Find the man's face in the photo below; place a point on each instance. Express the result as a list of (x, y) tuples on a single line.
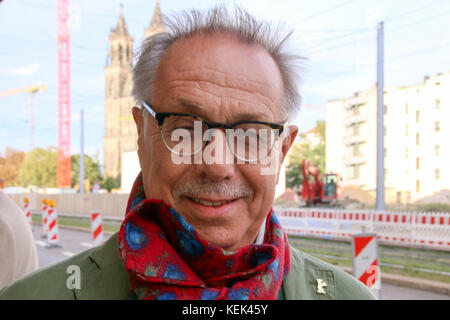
[(222, 80)]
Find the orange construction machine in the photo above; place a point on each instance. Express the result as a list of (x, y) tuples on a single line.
[(317, 187)]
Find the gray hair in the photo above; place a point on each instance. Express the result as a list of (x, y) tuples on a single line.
[(218, 19)]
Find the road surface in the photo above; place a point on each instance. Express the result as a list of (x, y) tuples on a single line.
[(72, 242)]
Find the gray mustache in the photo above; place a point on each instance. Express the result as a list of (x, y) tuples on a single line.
[(213, 189)]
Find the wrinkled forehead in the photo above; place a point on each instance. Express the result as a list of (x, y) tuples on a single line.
[(222, 65)]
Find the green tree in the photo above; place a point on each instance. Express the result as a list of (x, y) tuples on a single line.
[(110, 183), (299, 152), (91, 169), (39, 168)]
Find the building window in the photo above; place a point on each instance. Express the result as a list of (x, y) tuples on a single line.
[(399, 197), (417, 186), (406, 130), (417, 163), (385, 152), (437, 126), (406, 108), (406, 152), (417, 115), (437, 150), (120, 54), (355, 172), (385, 109), (437, 174), (356, 150), (112, 91), (437, 104), (417, 139)]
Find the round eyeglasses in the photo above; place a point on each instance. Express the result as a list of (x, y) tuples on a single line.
[(187, 134)]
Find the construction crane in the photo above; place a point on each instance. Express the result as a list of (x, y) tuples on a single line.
[(64, 164), (32, 90)]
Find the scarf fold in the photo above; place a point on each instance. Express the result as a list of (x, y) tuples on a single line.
[(167, 259)]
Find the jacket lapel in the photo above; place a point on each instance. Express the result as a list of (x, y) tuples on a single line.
[(107, 279), (307, 281)]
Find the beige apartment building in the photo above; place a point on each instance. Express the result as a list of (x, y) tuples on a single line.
[(417, 139), (120, 131)]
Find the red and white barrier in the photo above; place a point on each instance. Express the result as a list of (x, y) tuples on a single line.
[(365, 261), (44, 216), (404, 228), (97, 228), (27, 211), (52, 224)]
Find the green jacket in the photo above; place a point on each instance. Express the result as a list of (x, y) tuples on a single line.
[(103, 276)]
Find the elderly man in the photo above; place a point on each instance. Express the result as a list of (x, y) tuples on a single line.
[(215, 95)]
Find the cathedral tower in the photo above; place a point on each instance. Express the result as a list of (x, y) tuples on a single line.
[(120, 133), (120, 129)]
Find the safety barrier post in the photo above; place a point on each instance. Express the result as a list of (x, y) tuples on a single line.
[(52, 225), (27, 211), (366, 262), (97, 228), (44, 218)]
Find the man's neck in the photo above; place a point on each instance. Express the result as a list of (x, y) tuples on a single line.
[(262, 230)]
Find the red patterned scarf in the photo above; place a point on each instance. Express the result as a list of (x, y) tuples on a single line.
[(167, 259)]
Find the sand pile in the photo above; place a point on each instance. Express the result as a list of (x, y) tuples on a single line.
[(442, 196)]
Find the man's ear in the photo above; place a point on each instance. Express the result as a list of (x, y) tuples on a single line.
[(138, 119), (288, 141)]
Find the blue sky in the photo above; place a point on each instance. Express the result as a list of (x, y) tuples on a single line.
[(338, 37)]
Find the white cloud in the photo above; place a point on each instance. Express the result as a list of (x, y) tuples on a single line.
[(25, 70)]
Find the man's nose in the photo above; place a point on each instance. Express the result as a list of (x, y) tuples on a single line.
[(218, 161)]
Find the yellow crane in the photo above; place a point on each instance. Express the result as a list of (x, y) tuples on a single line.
[(32, 90)]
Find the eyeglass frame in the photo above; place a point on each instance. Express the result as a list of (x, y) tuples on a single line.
[(161, 116)]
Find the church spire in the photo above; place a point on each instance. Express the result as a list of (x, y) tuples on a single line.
[(157, 22), (121, 28), (121, 44), (157, 16)]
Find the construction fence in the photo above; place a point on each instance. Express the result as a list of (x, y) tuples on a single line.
[(109, 204), (410, 229)]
